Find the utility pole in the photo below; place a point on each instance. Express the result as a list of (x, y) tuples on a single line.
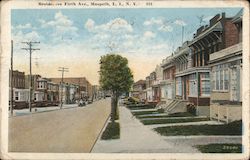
[(182, 37), (30, 49), (11, 82), (62, 69), (201, 19)]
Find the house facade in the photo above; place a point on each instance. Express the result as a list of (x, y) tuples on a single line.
[(226, 76), (157, 76), (139, 90), (20, 94), (167, 83), (85, 87), (53, 93), (148, 90)]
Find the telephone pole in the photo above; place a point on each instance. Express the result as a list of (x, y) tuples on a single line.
[(62, 69), (11, 82), (182, 37), (30, 49)]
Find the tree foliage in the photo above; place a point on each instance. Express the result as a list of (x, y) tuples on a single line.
[(115, 75)]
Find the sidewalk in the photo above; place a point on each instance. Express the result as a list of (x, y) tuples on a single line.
[(137, 138), (21, 112)]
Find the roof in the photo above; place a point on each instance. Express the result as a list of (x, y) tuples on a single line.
[(140, 82), (238, 17), (217, 27), (72, 80)]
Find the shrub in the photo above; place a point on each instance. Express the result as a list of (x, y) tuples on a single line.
[(191, 108), (161, 110), (112, 131)]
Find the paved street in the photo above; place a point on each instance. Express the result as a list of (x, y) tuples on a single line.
[(67, 130)]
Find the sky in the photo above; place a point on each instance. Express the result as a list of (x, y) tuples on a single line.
[(76, 38)]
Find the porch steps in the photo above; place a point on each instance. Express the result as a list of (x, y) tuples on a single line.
[(170, 105)]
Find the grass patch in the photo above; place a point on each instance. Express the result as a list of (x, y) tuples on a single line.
[(220, 148), (180, 114), (112, 131), (233, 128), (166, 121), (144, 112), (143, 106)]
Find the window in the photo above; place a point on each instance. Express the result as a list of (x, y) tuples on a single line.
[(193, 85), (221, 77), (205, 84), (16, 96), (217, 80), (226, 79)]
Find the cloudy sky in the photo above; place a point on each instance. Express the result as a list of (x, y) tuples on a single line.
[(76, 38)]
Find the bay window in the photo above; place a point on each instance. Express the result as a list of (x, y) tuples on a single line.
[(220, 77), (205, 84)]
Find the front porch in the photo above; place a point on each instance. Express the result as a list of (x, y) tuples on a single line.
[(226, 113)]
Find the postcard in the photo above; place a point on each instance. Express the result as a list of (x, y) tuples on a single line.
[(124, 79)]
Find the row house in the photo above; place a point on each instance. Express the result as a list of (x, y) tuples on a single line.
[(85, 87), (138, 90), (226, 74), (46, 93), (192, 61), (149, 84), (20, 94), (156, 84), (205, 71), (152, 90), (168, 83), (53, 93)]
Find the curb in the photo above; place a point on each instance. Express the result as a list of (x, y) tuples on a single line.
[(99, 135)]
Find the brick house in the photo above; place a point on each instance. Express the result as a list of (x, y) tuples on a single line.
[(226, 74), (192, 70), (20, 94)]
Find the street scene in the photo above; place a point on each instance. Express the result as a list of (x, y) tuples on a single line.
[(131, 80)]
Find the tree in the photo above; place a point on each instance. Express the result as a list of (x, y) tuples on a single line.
[(115, 76)]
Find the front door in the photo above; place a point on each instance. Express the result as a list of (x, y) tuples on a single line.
[(169, 91)]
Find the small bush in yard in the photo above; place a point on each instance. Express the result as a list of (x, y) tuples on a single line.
[(112, 131), (191, 108), (161, 110)]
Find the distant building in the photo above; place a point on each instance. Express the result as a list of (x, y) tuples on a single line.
[(148, 89), (18, 79), (20, 94), (139, 90), (157, 76), (53, 93), (85, 88)]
